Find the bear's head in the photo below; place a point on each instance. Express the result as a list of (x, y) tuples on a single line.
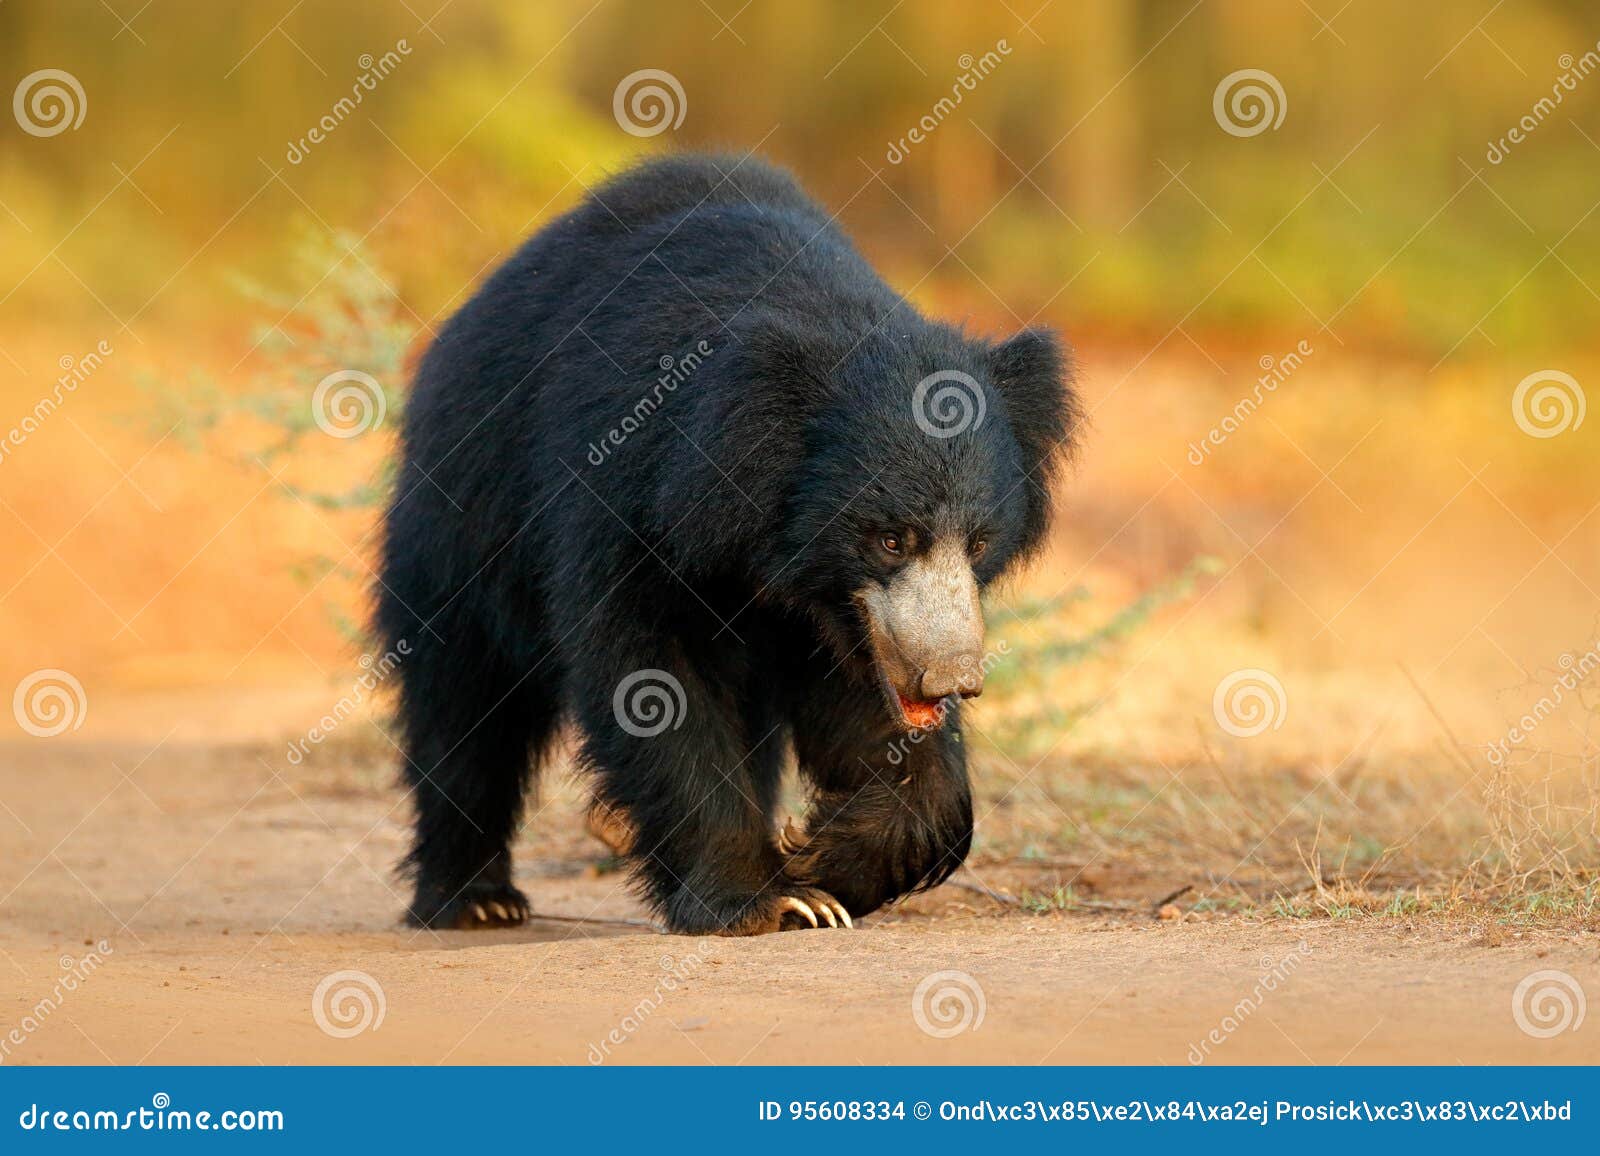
[(878, 484)]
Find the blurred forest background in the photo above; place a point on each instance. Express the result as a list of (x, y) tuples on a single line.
[(1099, 110), (1384, 534)]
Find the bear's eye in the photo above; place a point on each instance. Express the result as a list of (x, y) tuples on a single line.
[(979, 545), (902, 543)]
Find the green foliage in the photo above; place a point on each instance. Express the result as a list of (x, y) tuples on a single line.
[(1065, 652), (350, 318), (1035, 657), (1044, 902)]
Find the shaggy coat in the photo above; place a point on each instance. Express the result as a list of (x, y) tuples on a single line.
[(656, 476)]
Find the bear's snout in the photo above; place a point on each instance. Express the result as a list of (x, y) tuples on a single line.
[(926, 626), (955, 674)]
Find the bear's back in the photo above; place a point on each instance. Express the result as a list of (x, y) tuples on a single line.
[(681, 183)]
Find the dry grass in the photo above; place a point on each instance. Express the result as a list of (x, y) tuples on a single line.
[(1435, 831), (1277, 841)]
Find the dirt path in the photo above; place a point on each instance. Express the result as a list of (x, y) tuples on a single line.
[(224, 892)]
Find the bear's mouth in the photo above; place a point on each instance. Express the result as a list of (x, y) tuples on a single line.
[(921, 714), (912, 712)]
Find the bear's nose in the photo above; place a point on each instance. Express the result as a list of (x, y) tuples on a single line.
[(958, 674)]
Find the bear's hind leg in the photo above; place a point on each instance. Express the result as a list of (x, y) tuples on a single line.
[(471, 737)]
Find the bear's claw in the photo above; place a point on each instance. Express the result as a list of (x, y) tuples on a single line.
[(791, 840), (475, 908), (816, 903), (789, 907), (790, 903)]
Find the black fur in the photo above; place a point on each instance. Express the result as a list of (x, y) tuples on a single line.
[(533, 561)]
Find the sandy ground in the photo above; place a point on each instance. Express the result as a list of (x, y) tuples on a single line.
[(197, 897)]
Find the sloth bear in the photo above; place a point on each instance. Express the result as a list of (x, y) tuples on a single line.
[(687, 474)]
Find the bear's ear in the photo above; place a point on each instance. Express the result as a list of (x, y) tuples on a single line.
[(1034, 372), (744, 436)]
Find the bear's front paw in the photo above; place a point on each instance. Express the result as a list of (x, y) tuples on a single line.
[(787, 906), (471, 908), (793, 907)]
